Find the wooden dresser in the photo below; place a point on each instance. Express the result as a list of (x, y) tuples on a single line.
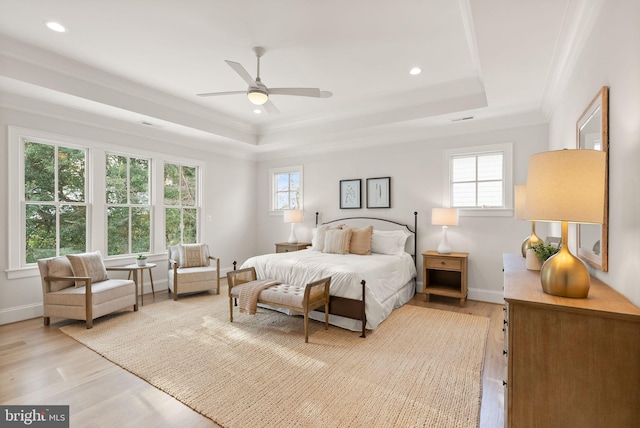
[(570, 362)]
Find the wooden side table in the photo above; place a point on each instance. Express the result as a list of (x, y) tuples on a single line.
[(135, 267), (445, 274), (285, 247)]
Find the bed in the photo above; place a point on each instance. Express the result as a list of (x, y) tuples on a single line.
[(365, 289)]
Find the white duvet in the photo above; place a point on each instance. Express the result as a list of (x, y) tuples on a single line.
[(388, 278)]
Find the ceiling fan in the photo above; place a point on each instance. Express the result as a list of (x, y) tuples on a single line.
[(258, 93)]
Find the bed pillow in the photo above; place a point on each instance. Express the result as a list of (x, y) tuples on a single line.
[(59, 266), (337, 241), (361, 241), (390, 242), (193, 255), (88, 264), (318, 236)]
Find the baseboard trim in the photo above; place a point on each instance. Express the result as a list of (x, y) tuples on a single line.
[(489, 296), (20, 313)]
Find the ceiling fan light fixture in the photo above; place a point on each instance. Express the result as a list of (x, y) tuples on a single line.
[(257, 96)]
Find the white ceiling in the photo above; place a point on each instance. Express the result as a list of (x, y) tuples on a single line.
[(144, 60)]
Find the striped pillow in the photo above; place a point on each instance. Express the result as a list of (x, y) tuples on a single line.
[(88, 264), (194, 255), (337, 241)]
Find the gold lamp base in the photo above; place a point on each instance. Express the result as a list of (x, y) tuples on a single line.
[(530, 241), (563, 274)]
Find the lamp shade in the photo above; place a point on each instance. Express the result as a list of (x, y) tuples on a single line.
[(520, 197), (444, 216), (292, 216), (566, 185)]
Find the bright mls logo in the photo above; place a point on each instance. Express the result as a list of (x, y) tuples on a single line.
[(35, 416)]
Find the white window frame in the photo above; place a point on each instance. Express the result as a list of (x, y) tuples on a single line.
[(128, 204), (273, 172), (198, 204), (507, 151), (96, 205)]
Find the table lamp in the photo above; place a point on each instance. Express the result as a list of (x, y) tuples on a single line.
[(566, 186), (293, 217), (444, 217), (520, 198)]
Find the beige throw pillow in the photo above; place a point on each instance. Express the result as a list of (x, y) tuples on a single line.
[(88, 264), (337, 241), (59, 266), (194, 255), (317, 243), (361, 241)]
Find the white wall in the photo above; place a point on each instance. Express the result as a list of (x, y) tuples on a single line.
[(229, 199), (416, 171), (610, 58)]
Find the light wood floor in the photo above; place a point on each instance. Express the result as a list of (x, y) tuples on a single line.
[(41, 365)]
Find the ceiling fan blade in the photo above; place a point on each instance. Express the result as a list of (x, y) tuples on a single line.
[(270, 107), (238, 68), (213, 94), (301, 92)]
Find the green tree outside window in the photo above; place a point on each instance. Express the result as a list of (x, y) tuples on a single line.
[(55, 212), (181, 204)]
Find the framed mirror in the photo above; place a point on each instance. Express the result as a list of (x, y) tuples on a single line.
[(592, 132)]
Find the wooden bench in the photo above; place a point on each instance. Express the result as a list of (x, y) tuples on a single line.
[(301, 299)]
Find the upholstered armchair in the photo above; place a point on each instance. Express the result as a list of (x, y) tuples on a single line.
[(192, 269), (78, 287)]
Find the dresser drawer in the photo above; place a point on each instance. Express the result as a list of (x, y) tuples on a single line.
[(444, 263)]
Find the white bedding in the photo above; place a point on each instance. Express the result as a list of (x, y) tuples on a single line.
[(389, 278)]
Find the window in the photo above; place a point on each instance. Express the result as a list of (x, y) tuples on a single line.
[(55, 200), (70, 195), (181, 204), (477, 178), (286, 188), (128, 202)]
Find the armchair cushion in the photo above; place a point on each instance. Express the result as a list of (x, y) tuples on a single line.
[(88, 264), (103, 292), (60, 266), (193, 255)]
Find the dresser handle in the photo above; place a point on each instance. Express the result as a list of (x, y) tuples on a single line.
[(443, 263)]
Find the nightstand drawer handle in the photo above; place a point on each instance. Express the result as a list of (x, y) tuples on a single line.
[(443, 263)]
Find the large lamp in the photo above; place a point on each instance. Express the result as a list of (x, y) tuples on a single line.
[(293, 217), (444, 217), (520, 199), (566, 186)]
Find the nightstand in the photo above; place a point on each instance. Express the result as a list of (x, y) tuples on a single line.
[(285, 247), (445, 275)]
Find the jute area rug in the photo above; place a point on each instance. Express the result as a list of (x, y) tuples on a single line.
[(420, 367)]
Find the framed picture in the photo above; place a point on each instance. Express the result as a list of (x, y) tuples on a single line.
[(379, 192), (350, 196)]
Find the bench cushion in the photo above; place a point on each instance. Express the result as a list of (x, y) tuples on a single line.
[(279, 294)]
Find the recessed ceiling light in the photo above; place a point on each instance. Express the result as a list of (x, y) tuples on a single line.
[(257, 111), (415, 71), (55, 26)]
